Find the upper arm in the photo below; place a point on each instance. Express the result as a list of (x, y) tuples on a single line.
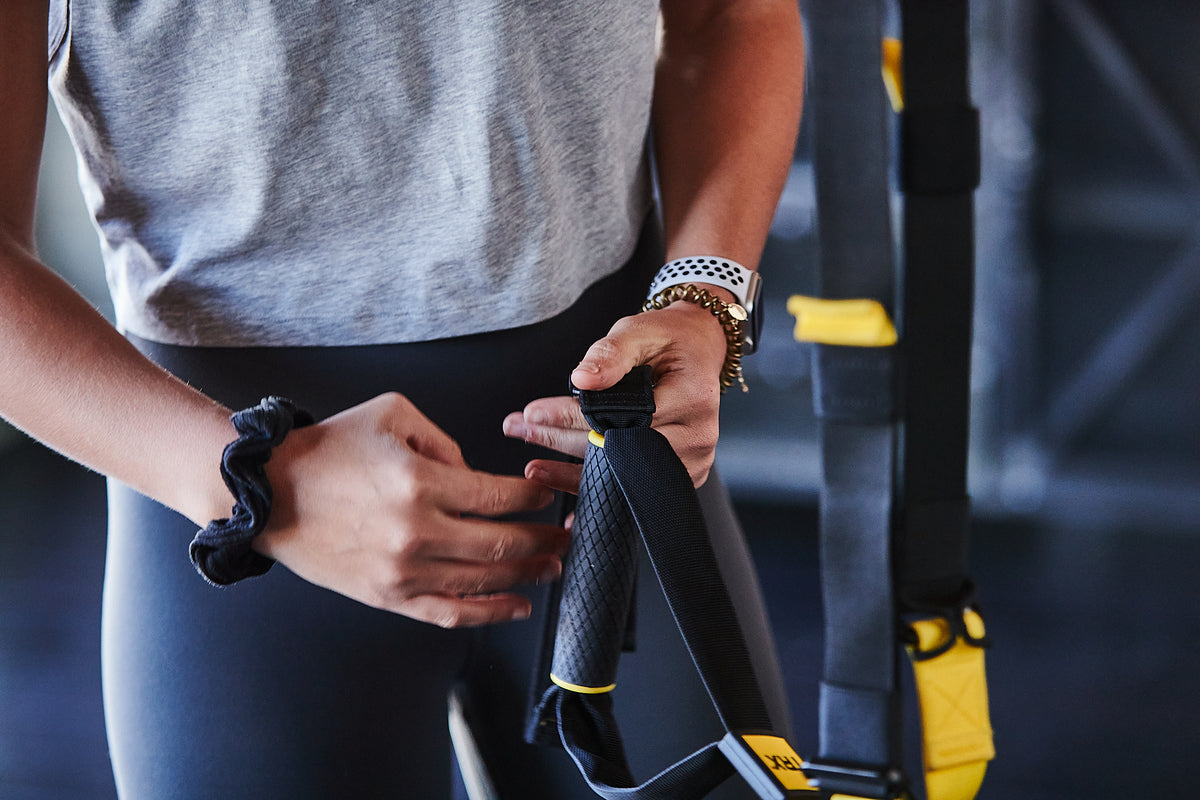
[(23, 103)]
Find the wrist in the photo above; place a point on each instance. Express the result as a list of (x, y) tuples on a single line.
[(725, 280), (223, 551), (731, 318), (201, 493), (719, 292)]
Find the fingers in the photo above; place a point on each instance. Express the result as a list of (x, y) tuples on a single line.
[(448, 611), (475, 579), (686, 347), (456, 491), (551, 422), (456, 572), (491, 542), (474, 590), (377, 504), (557, 475)]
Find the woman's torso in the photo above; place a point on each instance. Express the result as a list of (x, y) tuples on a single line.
[(311, 173)]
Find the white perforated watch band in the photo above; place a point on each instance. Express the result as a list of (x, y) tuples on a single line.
[(705, 269)]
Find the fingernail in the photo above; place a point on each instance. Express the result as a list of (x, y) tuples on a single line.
[(520, 614), (536, 417), (550, 573), (588, 366), (515, 428)]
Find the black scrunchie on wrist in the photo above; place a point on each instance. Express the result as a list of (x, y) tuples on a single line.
[(222, 552)]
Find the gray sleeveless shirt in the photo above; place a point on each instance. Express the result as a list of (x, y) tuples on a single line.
[(310, 172)]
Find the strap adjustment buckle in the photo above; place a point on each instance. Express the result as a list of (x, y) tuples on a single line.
[(850, 780), (768, 763), (940, 628), (948, 670)]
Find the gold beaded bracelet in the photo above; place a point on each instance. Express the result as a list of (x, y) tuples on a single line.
[(731, 316)]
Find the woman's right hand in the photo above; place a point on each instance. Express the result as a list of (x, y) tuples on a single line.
[(377, 503)]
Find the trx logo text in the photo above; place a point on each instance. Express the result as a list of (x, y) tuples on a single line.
[(778, 763)]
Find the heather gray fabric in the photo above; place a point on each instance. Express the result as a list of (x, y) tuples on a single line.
[(300, 172)]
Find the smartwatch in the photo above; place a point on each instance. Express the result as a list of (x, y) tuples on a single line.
[(744, 284)]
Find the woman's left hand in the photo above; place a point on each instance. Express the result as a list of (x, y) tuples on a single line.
[(685, 345)]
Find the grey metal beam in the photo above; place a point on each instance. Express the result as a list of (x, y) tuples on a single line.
[(1115, 62), (1129, 344), (1133, 338)]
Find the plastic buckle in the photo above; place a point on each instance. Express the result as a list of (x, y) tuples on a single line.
[(846, 779), (768, 764), (955, 616)]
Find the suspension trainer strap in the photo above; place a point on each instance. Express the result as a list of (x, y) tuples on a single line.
[(939, 172), (939, 160), (634, 483), (893, 540), (854, 374)]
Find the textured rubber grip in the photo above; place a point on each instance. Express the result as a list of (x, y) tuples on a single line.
[(597, 584)]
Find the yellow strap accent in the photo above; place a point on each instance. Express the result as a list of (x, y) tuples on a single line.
[(952, 692), (856, 323), (577, 689), (893, 79), (596, 438), (957, 782), (780, 759)]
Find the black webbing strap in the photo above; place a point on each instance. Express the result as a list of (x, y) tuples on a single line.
[(859, 750), (939, 158), (939, 173), (633, 482)]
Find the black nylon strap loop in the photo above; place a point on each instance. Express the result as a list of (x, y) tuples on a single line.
[(672, 526), (628, 403)]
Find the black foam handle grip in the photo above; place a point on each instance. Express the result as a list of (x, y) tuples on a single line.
[(598, 577)]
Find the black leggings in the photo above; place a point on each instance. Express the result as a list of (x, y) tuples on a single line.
[(274, 688)]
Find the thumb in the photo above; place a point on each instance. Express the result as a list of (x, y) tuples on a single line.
[(609, 359)]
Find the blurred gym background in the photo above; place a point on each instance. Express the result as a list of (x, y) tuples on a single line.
[(1085, 454)]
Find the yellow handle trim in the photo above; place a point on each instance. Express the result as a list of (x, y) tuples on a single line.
[(596, 438), (893, 80), (854, 323), (577, 689)]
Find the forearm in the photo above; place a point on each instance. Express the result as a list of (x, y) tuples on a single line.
[(66, 377), (726, 112), (71, 381)]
